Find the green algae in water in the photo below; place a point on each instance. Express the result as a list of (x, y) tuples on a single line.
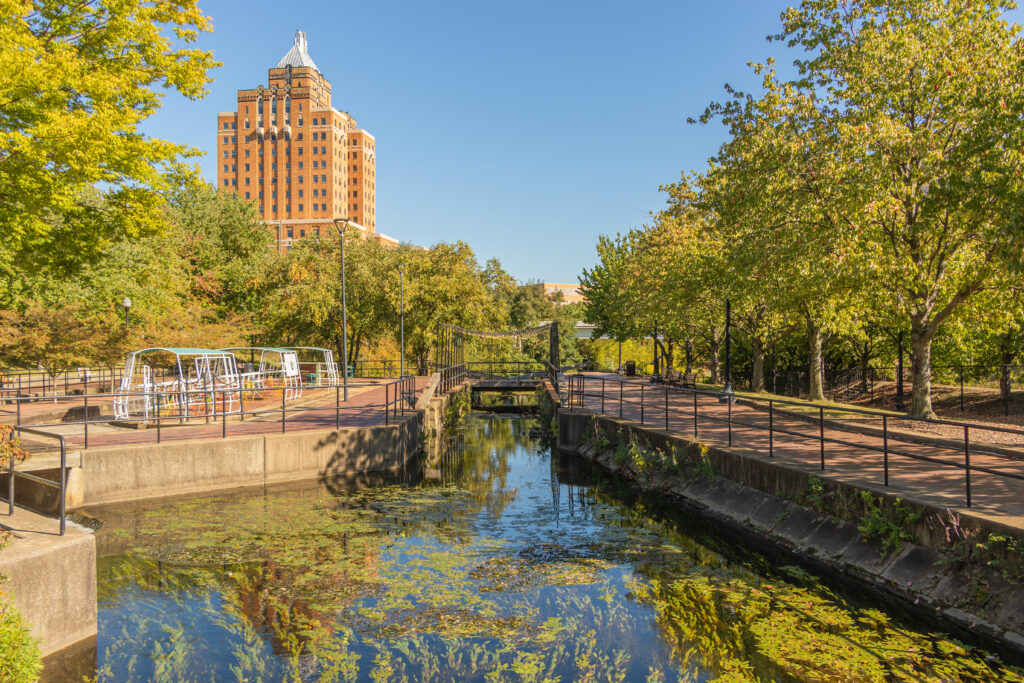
[(509, 570)]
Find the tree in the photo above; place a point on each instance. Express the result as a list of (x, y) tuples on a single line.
[(76, 81), (927, 99)]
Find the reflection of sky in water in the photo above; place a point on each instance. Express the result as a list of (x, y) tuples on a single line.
[(499, 567)]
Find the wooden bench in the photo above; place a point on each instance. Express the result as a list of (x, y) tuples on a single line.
[(689, 380)]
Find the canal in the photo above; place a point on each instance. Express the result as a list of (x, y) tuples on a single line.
[(509, 562)]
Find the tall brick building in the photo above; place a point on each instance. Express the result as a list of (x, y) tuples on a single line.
[(304, 162)]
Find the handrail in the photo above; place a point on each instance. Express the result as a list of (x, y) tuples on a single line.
[(60, 485), (213, 403), (578, 399)]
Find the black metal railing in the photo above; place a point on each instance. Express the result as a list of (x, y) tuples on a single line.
[(60, 484), (14, 383), (615, 396), (212, 404)]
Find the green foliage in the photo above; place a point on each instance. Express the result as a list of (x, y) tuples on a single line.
[(20, 660), (887, 527), (878, 190), (77, 80)]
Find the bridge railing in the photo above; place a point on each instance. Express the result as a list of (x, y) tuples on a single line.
[(689, 410)]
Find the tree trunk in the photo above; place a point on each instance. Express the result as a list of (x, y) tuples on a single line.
[(689, 356), (714, 347), (757, 375), (816, 384), (921, 367)]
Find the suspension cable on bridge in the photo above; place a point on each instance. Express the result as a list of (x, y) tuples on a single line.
[(511, 334)]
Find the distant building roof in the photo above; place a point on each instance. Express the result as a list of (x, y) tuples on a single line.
[(297, 55)]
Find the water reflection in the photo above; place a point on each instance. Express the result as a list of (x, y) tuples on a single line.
[(511, 564)]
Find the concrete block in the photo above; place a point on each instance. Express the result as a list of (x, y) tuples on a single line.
[(798, 525), (914, 567), (832, 537), (51, 580)]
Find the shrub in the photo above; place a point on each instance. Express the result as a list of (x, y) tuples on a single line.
[(20, 661)]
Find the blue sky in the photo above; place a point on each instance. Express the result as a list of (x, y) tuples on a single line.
[(526, 129)]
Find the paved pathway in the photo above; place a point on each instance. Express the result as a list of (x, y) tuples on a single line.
[(316, 410), (857, 459)]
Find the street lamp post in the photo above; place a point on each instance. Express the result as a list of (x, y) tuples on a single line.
[(401, 314), (727, 390), (341, 224), (127, 303)]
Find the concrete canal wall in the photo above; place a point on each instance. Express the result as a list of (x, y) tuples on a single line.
[(799, 518)]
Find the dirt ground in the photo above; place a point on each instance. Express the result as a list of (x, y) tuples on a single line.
[(982, 406)]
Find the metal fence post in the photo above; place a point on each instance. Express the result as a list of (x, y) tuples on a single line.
[(86, 421), (602, 395), (159, 410), (63, 484), (337, 407), (386, 404), (1009, 390), (885, 447), (10, 486), (666, 408), (729, 404), (967, 463), (821, 434), (284, 415), (771, 426), (641, 404), (223, 414), (695, 415), (961, 387), (620, 399)]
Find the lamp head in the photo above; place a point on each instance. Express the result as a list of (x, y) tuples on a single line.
[(126, 302)]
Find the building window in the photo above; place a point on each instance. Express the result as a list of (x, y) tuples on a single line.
[(299, 136), (261, 195), (234, 139), (300, 207), (225, 139), (225, 168), (226, 125), (300, 150), (234, 168), (290, 233), (323, 150), (225, 182), (246, 153), (316, 193), (246, 194), (247, 181), (316, 164), (300, 165), (302, 233), (300, 193), (355, 193), (300, 179), (323, 179), (288, 193), (247, 168), (234, 181)]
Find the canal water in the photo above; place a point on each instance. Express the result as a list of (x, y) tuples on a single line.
[(509, 562)]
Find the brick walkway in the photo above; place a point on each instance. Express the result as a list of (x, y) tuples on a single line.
[(852, 461), (315, 410)]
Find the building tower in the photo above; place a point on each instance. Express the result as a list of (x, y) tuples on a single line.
[(302, 161)]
